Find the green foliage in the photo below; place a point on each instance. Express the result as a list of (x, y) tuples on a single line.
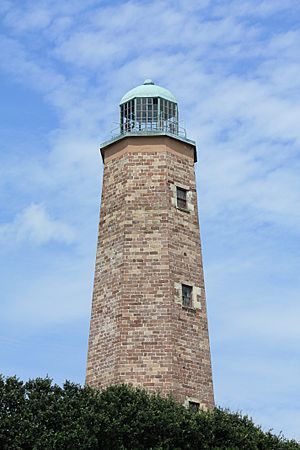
[(39, 415)]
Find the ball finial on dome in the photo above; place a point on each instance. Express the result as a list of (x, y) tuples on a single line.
[(148, 81)]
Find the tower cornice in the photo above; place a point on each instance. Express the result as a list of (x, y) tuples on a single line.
[(142, 142)]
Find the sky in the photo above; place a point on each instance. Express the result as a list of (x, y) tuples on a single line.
[(234, 67)]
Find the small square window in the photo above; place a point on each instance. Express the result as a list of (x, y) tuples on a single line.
[(187, 295), (194, 406), (181, 198)]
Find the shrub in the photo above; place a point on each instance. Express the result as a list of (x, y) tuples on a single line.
[(40, 415)]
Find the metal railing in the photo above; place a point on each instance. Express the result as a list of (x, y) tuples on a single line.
[(149, 129)]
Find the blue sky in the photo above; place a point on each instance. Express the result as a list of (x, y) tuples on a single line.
[(234, 67)]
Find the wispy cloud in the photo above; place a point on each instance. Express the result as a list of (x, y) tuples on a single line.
[(34, 224)]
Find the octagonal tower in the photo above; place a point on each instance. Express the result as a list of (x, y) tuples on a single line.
[(149, 323)]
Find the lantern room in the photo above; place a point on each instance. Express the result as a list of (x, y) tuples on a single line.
[(149, 109)]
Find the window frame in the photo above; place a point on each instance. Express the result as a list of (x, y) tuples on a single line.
[(183, 297), (184, 199)]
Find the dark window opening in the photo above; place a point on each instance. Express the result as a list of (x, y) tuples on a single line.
[(187, 295), (181, 198), (194, 406)]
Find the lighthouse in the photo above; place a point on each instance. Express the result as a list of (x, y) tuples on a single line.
[(149, 323)]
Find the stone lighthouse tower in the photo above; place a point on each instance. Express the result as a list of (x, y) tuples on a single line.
[(149, 323)]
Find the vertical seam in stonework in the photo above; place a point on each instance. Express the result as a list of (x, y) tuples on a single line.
[(121, 302), (171, 281)]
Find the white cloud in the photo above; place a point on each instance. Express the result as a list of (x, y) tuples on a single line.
[(33, 19), (34, 224), (255, 8)]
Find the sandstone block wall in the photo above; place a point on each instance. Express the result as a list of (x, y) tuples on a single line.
[(140, 332)]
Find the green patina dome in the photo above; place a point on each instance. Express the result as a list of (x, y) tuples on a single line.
[(148, 89)]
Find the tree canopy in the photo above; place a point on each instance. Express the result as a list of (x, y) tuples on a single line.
[(40, 415)]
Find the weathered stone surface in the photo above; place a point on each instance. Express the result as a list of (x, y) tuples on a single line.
[(140, 332)]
